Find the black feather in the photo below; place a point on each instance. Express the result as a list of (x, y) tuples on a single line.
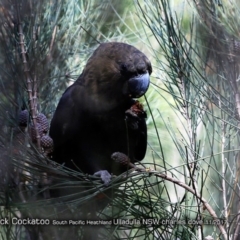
[(91, 123)]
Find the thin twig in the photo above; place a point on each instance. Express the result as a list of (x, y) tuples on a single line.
[(49, 57), (223, 172), (237, 228), (30, 88)]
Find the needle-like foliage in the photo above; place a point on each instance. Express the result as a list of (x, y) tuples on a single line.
[(187, 187)]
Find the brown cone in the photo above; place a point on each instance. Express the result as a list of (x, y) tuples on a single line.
[(23, 118), (46, 142), (43, 121), (33, 133)]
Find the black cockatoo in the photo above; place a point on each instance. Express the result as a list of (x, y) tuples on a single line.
[(95, 116)]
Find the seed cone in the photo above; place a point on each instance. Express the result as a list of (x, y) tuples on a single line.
[(46, 142), (43, 121), (33, 132), (23, 118)]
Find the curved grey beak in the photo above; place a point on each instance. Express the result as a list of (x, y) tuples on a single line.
[(137, 86)]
